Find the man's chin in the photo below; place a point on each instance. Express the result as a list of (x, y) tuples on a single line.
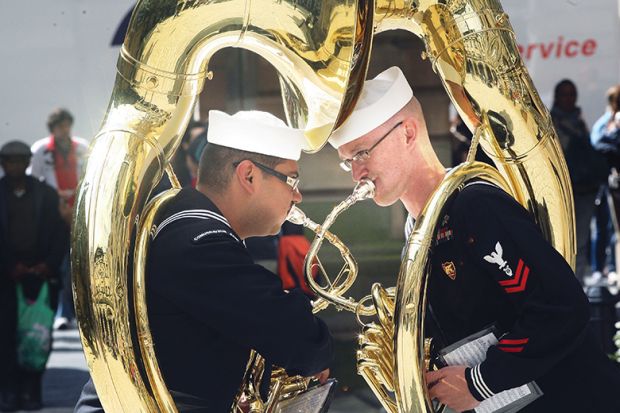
[(276, 230), (383, 202)]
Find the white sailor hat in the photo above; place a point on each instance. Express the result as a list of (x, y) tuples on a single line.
[(255, 131), (380, 99)]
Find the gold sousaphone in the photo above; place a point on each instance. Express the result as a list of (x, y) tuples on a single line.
[(320, 50)]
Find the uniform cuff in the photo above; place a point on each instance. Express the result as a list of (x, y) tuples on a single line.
[(475, 383)]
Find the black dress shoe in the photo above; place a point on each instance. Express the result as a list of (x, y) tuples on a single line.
[(8, 402)]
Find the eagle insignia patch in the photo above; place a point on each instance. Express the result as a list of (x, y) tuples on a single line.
[(495, 257)]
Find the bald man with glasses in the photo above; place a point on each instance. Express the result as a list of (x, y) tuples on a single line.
[(490, 266)]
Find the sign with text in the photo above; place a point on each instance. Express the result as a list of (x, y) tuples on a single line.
[(570, 39)]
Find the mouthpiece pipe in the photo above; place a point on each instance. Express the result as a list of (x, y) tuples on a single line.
[(365, 189)]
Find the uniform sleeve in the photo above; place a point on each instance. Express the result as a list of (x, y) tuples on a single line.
[(552, 311), (220, 286)]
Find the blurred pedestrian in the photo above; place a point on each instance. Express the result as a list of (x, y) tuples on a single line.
[(194, 130), (180, 162), (586, 167), (605, 137), (33, 242), (58, 160), (192, 156), (462, 141)]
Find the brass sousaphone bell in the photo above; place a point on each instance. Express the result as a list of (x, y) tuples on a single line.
[(321, 52)]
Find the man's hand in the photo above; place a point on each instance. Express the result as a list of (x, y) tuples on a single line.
[(18, 272), (448, 385), (322, 376), (41, 270), (66, 212)]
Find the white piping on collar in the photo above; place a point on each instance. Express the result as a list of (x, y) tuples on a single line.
[(481, 182), (191, 213)]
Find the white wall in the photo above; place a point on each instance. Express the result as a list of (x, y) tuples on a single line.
[(56, 53)]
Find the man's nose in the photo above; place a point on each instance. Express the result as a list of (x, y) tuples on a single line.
[(358, 171), (297, 196)]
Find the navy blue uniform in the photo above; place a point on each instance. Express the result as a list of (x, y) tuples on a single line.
[(209, 304), (491, 265)]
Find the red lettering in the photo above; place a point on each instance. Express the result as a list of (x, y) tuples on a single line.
[(589, 47), (545, 50), (559, 48), (574, 45), (529, 50)]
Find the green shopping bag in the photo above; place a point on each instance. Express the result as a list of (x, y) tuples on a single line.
[(34, 329)]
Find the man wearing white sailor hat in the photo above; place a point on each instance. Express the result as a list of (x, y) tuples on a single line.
[(490, 265), (262, 152), (208, 302), (387, 127)]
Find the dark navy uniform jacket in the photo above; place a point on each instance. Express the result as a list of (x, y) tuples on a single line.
[(209, 304), (491, 266)]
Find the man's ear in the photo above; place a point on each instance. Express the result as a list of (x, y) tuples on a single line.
[(411, 129), (245, 174)]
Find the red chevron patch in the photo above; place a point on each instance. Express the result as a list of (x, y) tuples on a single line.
[(509, 342), (517, 284), (511, 349), (512, 346)]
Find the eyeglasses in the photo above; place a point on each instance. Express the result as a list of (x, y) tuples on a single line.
[(347, 164), (289, 180)]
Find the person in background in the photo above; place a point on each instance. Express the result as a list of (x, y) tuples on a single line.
[(586, 167), (605, 137), (33, 242), (179, 161), (58, 159), (192, 156), (462, 141)]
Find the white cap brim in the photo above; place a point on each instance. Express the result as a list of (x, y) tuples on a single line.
[(381, 98), (255, 131)]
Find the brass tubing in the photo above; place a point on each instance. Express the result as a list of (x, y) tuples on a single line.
[(379, 391)]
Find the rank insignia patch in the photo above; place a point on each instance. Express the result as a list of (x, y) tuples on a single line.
[(450, 269), (495, 257), (519, 282)]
